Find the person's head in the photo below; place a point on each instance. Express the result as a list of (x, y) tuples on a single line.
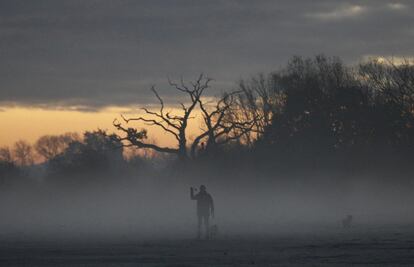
[(203, 188)]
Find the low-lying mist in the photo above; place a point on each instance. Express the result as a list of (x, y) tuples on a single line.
[(156, 204)]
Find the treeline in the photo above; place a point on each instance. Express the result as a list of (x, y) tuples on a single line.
[(312, 113), (320, 110), (67, 158)]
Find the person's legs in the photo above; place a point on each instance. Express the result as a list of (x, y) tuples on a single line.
[(199, 226), (207, 225)]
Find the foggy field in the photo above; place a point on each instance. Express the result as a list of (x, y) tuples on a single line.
[(391, 245), (152, 222)]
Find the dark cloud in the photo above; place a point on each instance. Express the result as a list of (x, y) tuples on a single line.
[(98, 53)]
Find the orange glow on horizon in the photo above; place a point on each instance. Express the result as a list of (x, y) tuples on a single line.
[(31, 123)]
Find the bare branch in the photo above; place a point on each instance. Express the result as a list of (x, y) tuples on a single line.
[(173, 124), (135, 138)]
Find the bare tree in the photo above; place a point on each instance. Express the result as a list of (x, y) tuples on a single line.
[(6, 155), (219, 127), (23, 153), (49, 146), (220, 124), (392, 80), (173, 124), (258, 101)]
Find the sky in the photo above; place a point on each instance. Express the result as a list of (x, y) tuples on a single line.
[(77, 64)]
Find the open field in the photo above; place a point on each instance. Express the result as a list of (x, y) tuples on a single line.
[(360, 246)]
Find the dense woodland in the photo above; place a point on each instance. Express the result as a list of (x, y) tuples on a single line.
[(314, 114)]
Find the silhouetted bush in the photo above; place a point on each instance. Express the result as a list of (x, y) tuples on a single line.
[(97, 152)]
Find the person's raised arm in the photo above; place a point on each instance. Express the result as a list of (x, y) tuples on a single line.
[(192, 193)]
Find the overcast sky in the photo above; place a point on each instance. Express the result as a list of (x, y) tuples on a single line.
[(99, 53)]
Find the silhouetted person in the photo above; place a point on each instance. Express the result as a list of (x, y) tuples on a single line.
[(205, 208)]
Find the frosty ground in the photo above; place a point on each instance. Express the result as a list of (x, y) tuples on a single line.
[(364, 245)]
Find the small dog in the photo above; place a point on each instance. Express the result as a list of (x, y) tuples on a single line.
[(213, 232), (347, 222)]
